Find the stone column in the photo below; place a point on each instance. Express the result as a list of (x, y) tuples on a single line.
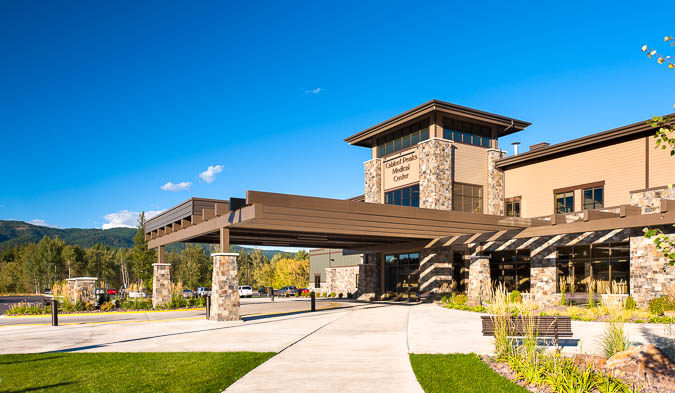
[(543, 278), (435, 270), (495, 183), (82, 289), (225, 287), (436, 173), (650, 274), (373, 180), (367, 281), (161, 284), (480, 286)]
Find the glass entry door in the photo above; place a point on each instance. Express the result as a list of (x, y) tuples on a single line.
[(401, 273)]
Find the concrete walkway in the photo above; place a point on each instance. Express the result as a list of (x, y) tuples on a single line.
[(364, 350)]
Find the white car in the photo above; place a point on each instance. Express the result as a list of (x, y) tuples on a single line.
[(245, 291), (133, 294)]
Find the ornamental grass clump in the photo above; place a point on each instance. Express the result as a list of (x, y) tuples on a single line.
[(614, 338), (500, 308)]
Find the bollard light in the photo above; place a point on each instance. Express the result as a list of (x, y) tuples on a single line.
[(208, 307), (313, 297), (55, 312)]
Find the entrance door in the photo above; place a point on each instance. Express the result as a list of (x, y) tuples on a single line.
[(401, 273), (458, 269)]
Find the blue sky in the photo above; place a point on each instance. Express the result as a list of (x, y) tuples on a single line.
[(103, 103)]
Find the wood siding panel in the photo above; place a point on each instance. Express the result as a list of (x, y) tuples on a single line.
[(471, 166), (661, 166), (621, 166)]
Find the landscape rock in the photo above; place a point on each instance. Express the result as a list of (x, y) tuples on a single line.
[(646, 365)]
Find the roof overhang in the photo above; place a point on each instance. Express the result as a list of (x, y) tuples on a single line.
[(301, 221), (506, 125), (634, 130)]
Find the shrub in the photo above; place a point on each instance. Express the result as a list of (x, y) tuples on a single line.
[(332, 294), (658, 305), (24, 308), (340, 295), (444, 300), (460, 299), (107, 306), (349, 295), (630, 304), (516, 297), (297, 294)]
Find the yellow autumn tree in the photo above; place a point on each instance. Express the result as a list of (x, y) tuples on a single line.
[(289, 271)]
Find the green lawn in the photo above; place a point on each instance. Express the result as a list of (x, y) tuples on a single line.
[(126, 372), (459, 373)]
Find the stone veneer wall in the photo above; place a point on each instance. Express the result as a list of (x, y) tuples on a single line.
[(650, 200), (161, 284), (82, 289), (479, 286), (367, 281), (436, 271), (224, 288), (373, 180), (650, 274), (436, 173), (495, 183), (342, 279)]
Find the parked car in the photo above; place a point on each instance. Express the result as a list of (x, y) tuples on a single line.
[(112, 291), (288, 290), (100, 291), (245, 291), (263, 291), (47, 291), (203, 291), (304, 290), (135, 294), (188, 293)]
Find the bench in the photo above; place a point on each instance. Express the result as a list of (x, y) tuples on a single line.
[(545, 326)]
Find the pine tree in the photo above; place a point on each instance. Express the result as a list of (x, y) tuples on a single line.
[(142, 258)]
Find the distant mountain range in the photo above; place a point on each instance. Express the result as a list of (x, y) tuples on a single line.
[(19, 232)]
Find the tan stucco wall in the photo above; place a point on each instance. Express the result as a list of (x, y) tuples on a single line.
[(621, 166), (661, 166)]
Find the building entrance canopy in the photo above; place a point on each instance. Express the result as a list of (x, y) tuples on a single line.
[(270, 219)]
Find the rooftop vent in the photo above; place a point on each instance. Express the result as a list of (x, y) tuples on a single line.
[(515, 148), (541, 145)]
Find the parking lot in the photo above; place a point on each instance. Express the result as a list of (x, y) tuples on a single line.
[(251, 308)]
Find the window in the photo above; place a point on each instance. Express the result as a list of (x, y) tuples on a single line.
[(464, 132), (403, 138), (317, 280), (512, 206), (606, 266), (511, 268), (593, 198), (564, 202), (467, 198), (409, 196)]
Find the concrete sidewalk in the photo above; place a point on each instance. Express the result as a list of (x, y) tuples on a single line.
[(364, 350)]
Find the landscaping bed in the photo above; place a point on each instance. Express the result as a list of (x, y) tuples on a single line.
[(117, 305), (126, 372)]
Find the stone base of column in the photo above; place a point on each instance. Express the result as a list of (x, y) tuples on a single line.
[(543, 280), (161, 284), (225, 288), (479, 287)]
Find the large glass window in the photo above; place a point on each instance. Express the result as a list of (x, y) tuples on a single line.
[(564, 202), (606, 266), (465, 132), (467, 198), (593, 198), (409, 196), (403, 138), (511, 268)]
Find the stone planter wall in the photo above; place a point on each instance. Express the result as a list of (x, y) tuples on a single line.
[(82, 289)]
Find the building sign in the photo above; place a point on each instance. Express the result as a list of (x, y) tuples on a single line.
[(402, 170)]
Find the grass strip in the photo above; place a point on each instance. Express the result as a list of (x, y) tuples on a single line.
[(459, 373), (126, 372)]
